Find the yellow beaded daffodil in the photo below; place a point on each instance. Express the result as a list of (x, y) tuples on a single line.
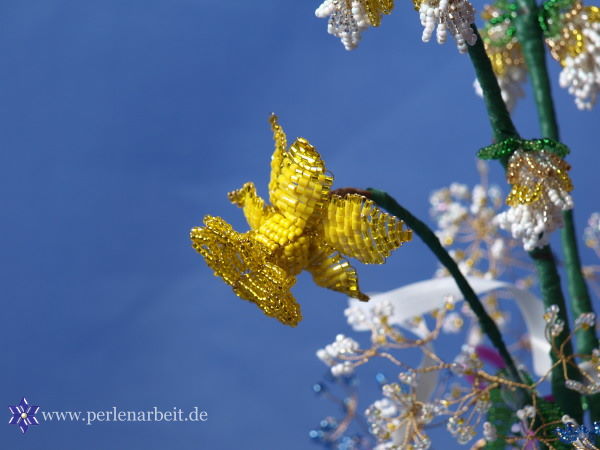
[(306, 227)]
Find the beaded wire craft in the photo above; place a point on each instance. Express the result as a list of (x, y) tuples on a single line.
[(349, 18), (540, 190), (573, 35), (539, 195), (592, 240), (512, 410), (455, 16), (581, 437), (306, 227), (470, 391), (504, 51)]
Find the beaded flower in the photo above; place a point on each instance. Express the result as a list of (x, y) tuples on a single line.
[(349, 18), (305, 227), (398, 419), (577, 48), (455, 16), (579, 436), (504, 52), (540, 192)]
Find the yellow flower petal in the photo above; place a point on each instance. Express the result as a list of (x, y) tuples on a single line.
[(356, 227), (332, 271), (255, 210), (299, 185)]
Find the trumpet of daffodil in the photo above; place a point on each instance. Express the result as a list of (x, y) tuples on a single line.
[(306, 227)]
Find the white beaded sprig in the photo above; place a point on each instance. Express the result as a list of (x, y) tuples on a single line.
[(489, 432), (554, 325), (334, 353), (455, 16), (346, 23)]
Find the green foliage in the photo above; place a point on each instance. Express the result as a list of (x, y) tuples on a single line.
[(506, 147), (502, 417), (551, 412)]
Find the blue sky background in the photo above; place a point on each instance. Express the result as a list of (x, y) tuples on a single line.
[(122, 123)]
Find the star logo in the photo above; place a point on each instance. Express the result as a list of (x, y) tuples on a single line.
[(23, 415)]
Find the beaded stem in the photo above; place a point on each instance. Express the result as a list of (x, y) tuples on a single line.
[(502, 125), (531, 37), (503, 129), (431, 240), (545, 264)]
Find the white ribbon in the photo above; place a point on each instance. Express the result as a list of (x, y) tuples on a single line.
[(422, 297)]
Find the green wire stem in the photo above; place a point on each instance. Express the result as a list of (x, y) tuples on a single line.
[(431, 240), (531, 36), (504, 128), (502, 125)]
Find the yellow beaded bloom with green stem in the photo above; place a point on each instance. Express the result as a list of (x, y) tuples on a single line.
[(306, 227)]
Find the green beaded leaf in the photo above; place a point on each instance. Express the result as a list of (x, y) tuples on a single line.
[(501, 149), (502, 417), (550, 16), (550, 412), (508, 146), (508, 12)]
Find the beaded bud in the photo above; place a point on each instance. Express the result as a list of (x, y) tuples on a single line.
[(574, 40), (539, 194), (454, 16), (349, 18)]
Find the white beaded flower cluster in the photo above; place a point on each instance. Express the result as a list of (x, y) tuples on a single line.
[(333, 355), (464, 217), (540, 193), (577, 48), (347, 20), (554, 325), (592, 232), (467, 362), (590, 370), (397, 420), (454, 16), (374, 318)]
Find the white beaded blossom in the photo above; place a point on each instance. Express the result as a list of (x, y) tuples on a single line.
[(581, 74), (344, 22), (489, 432), (530, 225), (334, 353), (398, 419), (540, 193), (455, 16), (361, 318), (581, 68)]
